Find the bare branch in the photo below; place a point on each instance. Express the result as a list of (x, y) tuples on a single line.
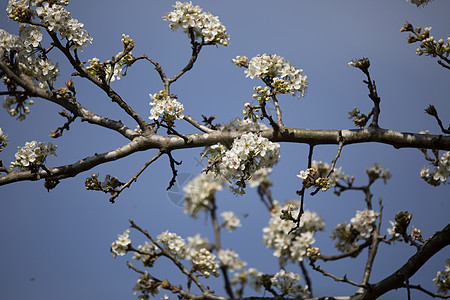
[(134, 178), (432, 245)]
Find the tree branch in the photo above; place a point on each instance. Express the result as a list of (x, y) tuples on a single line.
[(434, 244)]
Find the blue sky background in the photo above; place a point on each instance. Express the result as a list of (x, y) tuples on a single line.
[(56, 245)]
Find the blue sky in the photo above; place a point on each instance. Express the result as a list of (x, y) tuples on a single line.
[(56, 244)]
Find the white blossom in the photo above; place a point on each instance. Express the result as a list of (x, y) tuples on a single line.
[(377, 171), (120, 246), (205, 262), (360, 227), (3, 140), (231, 222), (275, 66), (204, 25), (174, 243), (291, 248), (199, 192), (440, 173), (33, 153), (364, 222), (168, 107), (442, 279), (230, 259)]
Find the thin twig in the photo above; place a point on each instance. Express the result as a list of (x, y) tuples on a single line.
[(134, 178), (173, 162), (196, 124), (169, 255), (343, 279), (307, 278)]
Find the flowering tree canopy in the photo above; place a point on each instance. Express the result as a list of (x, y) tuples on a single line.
[(51, 58)]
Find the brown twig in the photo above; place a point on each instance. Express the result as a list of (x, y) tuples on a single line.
[(134, 178)]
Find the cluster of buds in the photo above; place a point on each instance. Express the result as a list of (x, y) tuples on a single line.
[(428, 46), (240, 61), (402, 220), (377, 171), (250, 113), (311, 177), (3, 140), (109, 185), (416, 234), (359, 118), (313, 254), (363, 64)]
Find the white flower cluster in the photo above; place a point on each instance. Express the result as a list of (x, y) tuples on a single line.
[(442, 279), (231, 222), (173, 243), (377, 171), (146, 248), (204, 25), (392, 231), (360, 227), (275, 236), (197, 242), (199, 192), (33, 153), (319, 175), (3, 140), (239, 124), (364, 221), (230, 259), (120, 246), (249, 153), (260, 176), (275, 66), (39, 68), (205, 262), (285, 283), (440, 174), (168, 107), (58, 19)]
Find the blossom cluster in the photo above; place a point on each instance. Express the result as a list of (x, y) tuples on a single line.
[(275, 236), (239, 124), (32, 154), (3, 140), (58, 19), (199, 192), (377, 171), (167, 106), (260, 177), (280, 71), (230, 259), (249, 153), (231, 221), (17, 105), (40, 68), (360, 227), (399, 227), (120, 246), (203, 25), (320, 176), (173, 243), (205, 262), (440, 173), (286, 284), (442, 279)]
